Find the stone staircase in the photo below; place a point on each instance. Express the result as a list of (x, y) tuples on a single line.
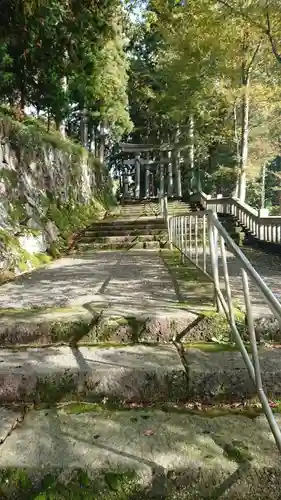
[(178, 207), (133, 225), (112, 395), (230, 223), (137, 225)]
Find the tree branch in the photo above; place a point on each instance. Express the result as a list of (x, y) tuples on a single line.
[(250, 64), (243, 14), (270, 36), (266, 30)]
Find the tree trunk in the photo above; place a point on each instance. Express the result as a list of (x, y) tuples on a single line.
[(244, 139), (177, 167), (246, 71), (48, 120), (102, 142), (237, 142), (22, 93), (191, 151), (84, 128), (95, 140), (263, 186), (62, 124)]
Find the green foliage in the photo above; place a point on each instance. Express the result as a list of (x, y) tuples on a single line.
[(18, 258), (70, 217), (202, 58), (63, 58)]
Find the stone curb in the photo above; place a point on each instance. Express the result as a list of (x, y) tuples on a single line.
[(137, 373), (78, 325), (223, 376)]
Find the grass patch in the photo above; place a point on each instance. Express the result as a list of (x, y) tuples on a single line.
[(186, 271), (194, 288), (31, 311), (249, 410), (211, 346)]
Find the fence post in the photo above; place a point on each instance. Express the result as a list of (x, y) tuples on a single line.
[(181, 239), (214, 260), (165, 208), (170, 231)]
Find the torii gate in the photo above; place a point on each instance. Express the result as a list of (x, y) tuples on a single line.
[(165, 168)]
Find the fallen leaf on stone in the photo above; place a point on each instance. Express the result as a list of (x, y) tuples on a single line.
[(148, 432)]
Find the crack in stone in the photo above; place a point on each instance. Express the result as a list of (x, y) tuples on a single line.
[(16, 423)]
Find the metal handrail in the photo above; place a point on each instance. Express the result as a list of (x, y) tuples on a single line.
[(261, 225), (184, 231)]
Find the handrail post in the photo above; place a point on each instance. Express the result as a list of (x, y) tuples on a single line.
[(258, 379), (223, 297), (165, 208), (171, 222), (214, 260)]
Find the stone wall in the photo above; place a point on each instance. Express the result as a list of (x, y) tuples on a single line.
[(42, 177)]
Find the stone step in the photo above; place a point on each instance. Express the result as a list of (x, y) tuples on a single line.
[(100, 323), (90, 452), (137, 215), (150, 245), (138, 373), (132, 210), (130, 224), (123, 232), (120, 230), (89, 237)]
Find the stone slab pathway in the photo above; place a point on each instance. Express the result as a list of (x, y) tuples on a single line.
[(135, 291), (267, 265), (132, 281), (174, 455)]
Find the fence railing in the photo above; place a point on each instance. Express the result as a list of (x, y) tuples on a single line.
[(257, 222), (200, 238)]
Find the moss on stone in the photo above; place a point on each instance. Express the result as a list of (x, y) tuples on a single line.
[(237, 451), (14, 480), (68, 331), (77, 408), (77, 484), (51, 391), (30, 137), (19, 258), (40, 259), (23, 311), (186, 271), (251, 410), (6, 276)]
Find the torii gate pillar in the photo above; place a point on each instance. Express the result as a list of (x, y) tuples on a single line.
[(137, 176)]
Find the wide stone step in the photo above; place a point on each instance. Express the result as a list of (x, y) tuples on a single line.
[(99, 324), (123, 232), (128, 237), (138, 373), (130, 225), (91, 452), (134, 242)]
